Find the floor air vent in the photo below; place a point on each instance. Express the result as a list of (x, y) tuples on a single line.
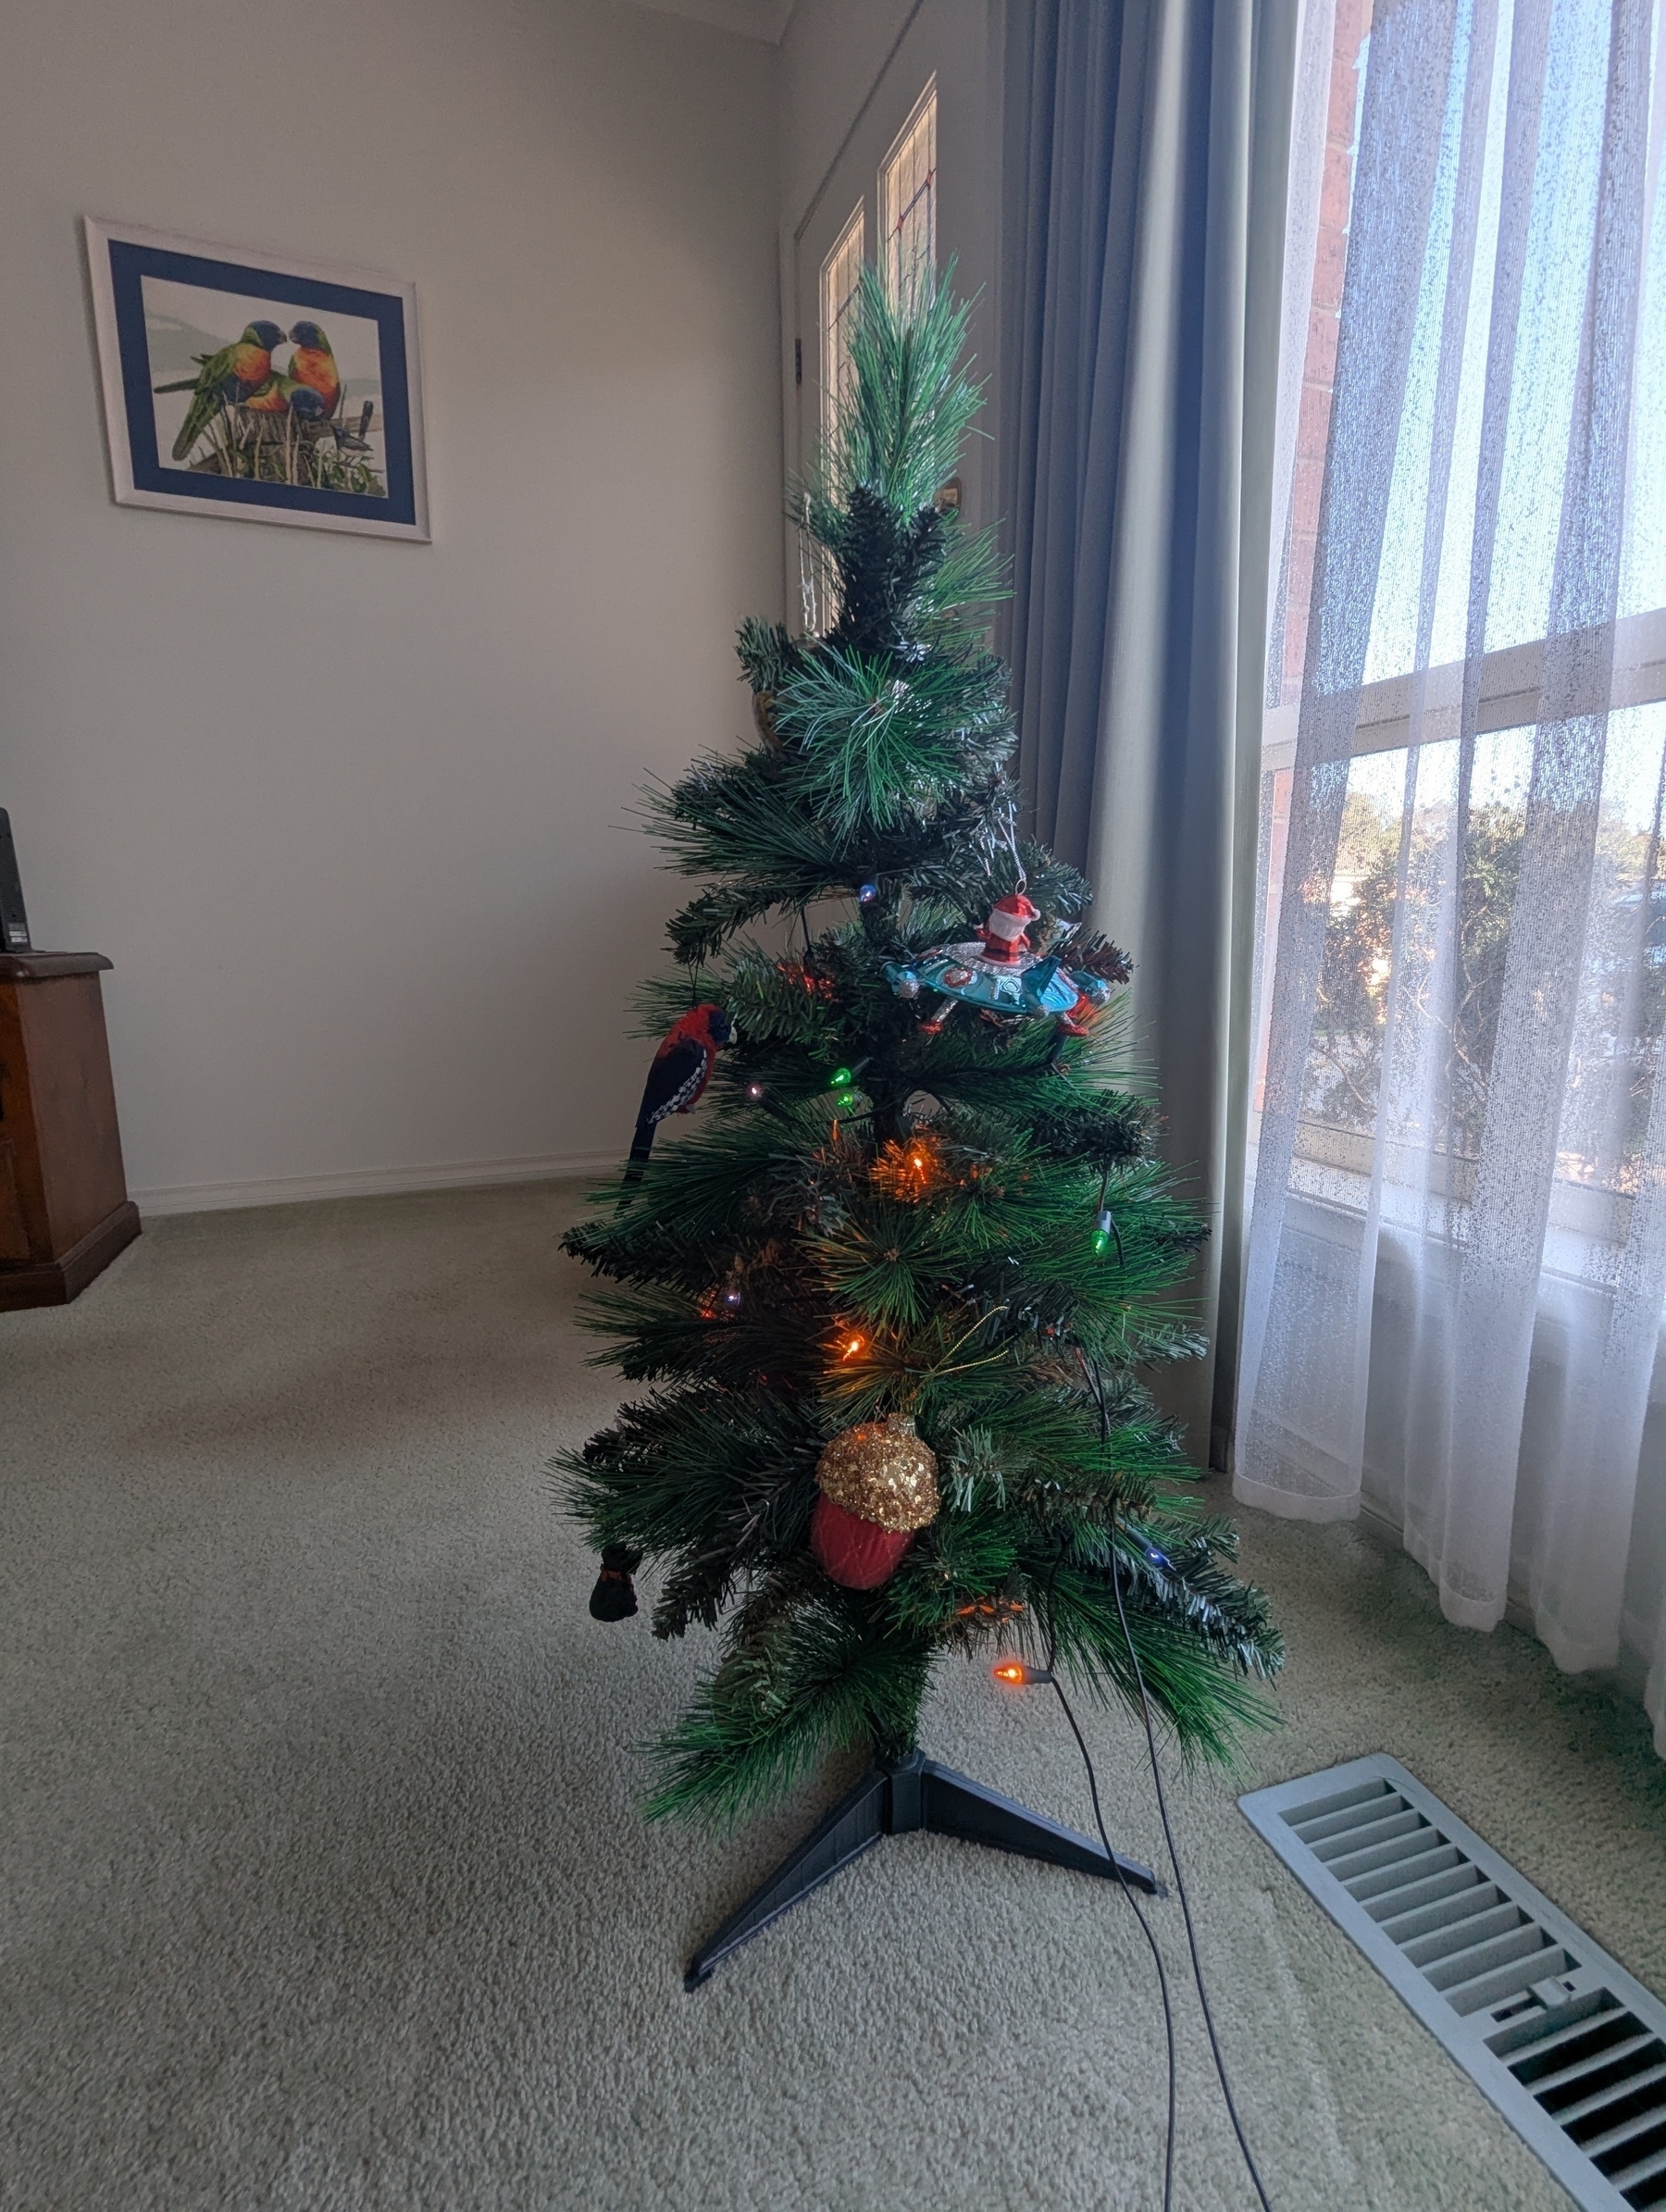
[(1568, 2046)]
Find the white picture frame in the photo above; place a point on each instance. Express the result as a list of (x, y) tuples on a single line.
[(324, 436)]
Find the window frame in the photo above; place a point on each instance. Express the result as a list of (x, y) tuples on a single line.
[(1512, 683)]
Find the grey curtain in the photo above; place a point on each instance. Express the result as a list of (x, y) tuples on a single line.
[(1143, 185)]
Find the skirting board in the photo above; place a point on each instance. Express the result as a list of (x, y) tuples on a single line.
[(374, 1183)]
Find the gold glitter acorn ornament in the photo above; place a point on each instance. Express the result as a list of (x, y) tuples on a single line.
[(878, 1489)]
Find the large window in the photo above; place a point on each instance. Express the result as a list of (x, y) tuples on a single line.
[(840, 282), (908, 202), (1457, 1254), (1457, 633), (842, 275)]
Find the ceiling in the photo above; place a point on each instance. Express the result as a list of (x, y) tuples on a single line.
[(763, 20)]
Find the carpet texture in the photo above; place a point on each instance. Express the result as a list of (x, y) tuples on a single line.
[(324, 1885)]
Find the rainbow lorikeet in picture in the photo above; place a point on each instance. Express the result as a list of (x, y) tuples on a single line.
[(314, 364), (680, 1071), (282, 395), (226, 377)]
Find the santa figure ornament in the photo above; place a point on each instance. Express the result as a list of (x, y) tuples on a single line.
[(1005, 936), (878, 1489)]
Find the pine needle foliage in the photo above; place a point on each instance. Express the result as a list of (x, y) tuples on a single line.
[(870, 1218)]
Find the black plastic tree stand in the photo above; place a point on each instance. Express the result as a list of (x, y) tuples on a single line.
[(892, 1798)]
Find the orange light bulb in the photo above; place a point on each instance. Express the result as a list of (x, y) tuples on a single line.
[(1011, 1672)]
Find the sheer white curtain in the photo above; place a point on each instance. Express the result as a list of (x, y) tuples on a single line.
[(1457, 1252)]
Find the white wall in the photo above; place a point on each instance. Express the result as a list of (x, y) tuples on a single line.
[(347, 813), (833, 51)]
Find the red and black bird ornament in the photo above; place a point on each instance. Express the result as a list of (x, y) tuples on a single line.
[(681, 1069), (677, 1080)]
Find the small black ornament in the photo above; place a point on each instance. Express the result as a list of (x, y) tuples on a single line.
[(614, 1597)]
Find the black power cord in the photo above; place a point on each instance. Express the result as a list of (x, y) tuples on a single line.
[(1145, 1929), (1096, 1383), (1134, 1905)]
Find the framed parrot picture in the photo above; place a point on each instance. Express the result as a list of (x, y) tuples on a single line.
[(253, 385)]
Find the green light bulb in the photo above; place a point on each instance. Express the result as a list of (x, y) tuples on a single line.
[(1102, 1242), (840, 1079)]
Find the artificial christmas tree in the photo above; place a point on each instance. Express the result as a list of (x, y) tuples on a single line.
[(918, 1242)]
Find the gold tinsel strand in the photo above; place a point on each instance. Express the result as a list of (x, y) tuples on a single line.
[(881, 1472)]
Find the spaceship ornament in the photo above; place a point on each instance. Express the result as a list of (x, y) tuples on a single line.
[(997, 973)]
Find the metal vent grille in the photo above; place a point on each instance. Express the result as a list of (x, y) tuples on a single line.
[(1568, 2046)]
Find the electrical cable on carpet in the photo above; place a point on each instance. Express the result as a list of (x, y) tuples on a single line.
[(1145, 1929), (1096, 1383), (1122, 1882)]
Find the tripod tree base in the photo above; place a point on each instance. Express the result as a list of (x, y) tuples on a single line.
[(892, 1798)]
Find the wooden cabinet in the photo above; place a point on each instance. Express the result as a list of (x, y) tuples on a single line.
[(65, 1212)]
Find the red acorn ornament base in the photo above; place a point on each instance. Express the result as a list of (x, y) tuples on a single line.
[(878, 1489), (857, 1554)]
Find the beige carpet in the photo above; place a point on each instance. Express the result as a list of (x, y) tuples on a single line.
[(324, 1886)]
